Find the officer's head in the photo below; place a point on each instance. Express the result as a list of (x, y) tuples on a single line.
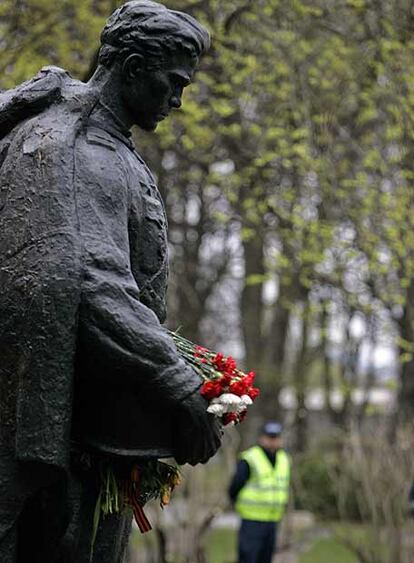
[(270, 436), (156, 51)]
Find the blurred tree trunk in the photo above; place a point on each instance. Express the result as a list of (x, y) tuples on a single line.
[(300, 380), (252, 302), (274, 357), (405, 404)]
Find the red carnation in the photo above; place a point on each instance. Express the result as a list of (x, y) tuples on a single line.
[(242, 415), (253, 393), (250, 377), (211, 390), (225, 381), (230, 365), (219, 362), (230, 417), (239, 388)]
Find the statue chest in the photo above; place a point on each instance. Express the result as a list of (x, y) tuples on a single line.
[(150, 248), (148, 241)]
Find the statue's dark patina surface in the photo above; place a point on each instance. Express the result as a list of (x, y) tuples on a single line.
[(86, 369)]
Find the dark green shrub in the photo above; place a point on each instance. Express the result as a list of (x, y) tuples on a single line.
[(315, 480)]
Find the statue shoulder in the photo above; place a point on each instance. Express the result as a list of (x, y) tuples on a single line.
[(43, 115), (31, 97)]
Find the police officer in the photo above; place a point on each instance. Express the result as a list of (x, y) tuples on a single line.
[(260, 490)]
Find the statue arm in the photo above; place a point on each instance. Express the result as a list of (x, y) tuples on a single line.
[(127, 337), (130, 341)]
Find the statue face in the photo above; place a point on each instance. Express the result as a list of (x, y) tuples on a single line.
[(150, 95)]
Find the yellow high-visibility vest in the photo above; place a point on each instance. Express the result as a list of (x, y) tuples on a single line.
[(266, 493)]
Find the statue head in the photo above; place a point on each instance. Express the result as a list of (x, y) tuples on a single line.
[(155, 51)]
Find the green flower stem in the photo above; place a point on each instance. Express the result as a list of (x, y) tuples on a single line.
[(191, 354)]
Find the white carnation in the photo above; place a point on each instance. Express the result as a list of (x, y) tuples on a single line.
[(229, 399), (246, 400), (216, 401), (216, 409), (230, 402)]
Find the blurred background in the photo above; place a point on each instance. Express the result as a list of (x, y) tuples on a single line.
[(288, 182)]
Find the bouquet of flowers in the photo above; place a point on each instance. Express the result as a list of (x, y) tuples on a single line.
[(228, 390), (147, 480)]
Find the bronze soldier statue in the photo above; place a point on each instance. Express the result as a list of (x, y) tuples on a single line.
[(86, 369)]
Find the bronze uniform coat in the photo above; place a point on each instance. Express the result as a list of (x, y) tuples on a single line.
[(82, 280)]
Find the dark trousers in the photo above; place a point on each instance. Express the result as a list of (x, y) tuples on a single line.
[(257, 541)]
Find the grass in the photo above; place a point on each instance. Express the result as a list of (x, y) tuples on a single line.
[(221, 546), (328, 551)]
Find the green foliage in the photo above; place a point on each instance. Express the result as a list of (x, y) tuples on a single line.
[(315, 487), (39, 32)]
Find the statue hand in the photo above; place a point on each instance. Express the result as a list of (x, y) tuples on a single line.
[(197, 434)]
